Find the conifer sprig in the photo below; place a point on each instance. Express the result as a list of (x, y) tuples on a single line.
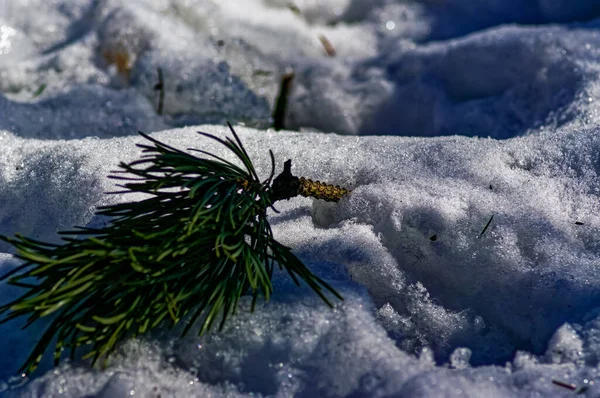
[(187, 252)]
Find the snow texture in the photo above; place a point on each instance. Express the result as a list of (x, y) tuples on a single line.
[(442, 117)]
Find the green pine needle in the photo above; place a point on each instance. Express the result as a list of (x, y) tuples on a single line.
[(187, 253)]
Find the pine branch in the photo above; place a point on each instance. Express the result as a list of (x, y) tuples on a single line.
[(185, 254)]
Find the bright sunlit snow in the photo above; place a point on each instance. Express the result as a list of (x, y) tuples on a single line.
[(469, 132)]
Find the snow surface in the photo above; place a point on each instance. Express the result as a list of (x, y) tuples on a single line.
[(434, 305)]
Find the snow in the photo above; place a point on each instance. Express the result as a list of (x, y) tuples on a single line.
[(441, 116)]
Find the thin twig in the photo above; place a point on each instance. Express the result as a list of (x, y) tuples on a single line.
[(285, 88), (568, 386), (329, 49), (160, 86)]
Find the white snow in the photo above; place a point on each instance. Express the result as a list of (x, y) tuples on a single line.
[(441, 116)]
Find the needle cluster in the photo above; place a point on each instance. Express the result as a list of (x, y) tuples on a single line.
[(188, 252)]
